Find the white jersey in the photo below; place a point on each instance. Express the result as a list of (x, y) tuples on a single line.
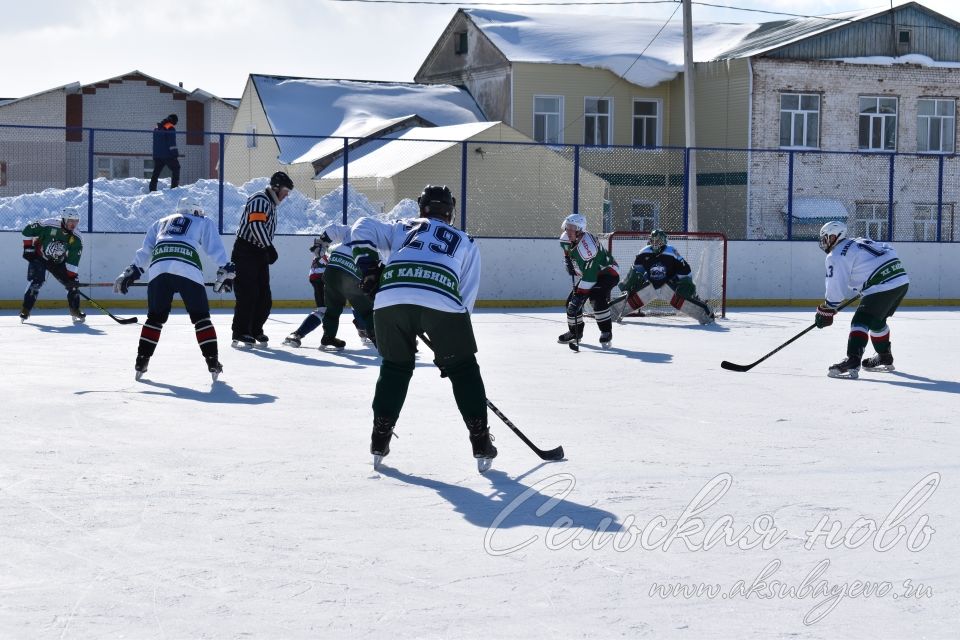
[(862, 265), (428, 263), (171, 246), (341, 257)]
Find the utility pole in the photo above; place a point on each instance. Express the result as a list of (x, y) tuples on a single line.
[(689, 116)]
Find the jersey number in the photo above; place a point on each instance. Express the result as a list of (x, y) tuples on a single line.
[(178, 226), (448, 240)]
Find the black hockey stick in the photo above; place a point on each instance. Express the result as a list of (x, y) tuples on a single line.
[(729, 366), (552, 454), (133, 320), (132, 284)]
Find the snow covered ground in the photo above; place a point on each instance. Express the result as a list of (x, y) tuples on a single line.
[(173, 508)]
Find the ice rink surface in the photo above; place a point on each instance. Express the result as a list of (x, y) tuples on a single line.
[(248, 508)]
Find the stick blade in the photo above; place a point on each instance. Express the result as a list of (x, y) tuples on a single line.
[(553, 454), (133, 320), (729, 366)]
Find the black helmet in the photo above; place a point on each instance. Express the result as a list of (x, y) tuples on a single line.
[(280, 180), (437, 202)]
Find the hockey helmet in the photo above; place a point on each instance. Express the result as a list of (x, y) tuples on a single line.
[(189, 207), (70, 214), (575, 220), (280, 180), (437, 202), (832, 233), (658, 240)]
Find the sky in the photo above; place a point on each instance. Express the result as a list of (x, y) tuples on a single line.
[(214, 44)]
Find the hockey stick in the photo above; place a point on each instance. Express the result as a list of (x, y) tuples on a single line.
[(132, 284), (575, 343), (132, 320), (552, 454), (729, 366)]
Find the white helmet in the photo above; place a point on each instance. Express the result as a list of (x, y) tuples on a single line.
[(832, 233), (575, 220), (70, 213), (189, 207)]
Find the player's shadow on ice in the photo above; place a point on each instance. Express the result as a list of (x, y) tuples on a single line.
[(316, 357), (68, 328), (911, 381), (515, 504), (219, 393), (654, 357)]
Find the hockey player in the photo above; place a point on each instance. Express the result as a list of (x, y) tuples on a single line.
[(428, 285), (170, 253), (53, 245), (597, 271), (869, 268), (335, 281), (660, 273)]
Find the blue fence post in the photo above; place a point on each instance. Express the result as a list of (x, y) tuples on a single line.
[(220, 197), (463, 186), (346, 181), (90, 182), (940, 198), (890, 200), (790, 195), (576, 178), (686, 187)]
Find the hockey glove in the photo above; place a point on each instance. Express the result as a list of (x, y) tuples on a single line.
[(824, 317), (575, 306), (272, 254), (225, 276), (370, 275), (320, 245), (569, 262), (29, 252), (130, 275)]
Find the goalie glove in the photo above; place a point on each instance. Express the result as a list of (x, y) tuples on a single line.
[(569, 262), (130, 275), (370, 272), (225, 276), (824, 317)]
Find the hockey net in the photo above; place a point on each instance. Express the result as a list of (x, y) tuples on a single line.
[(706, 253)]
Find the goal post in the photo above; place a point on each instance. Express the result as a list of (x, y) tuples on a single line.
[(706, 253)]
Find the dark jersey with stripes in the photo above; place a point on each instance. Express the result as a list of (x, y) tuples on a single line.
[(258, 224)]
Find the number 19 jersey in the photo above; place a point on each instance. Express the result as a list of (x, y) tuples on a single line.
[(172, 246)]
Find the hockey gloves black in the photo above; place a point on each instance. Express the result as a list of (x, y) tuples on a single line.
[(824, 317), (29, 252), (320, 245), (225, 276), (130, 275), (370, 272), (272, 254), (569, 262)]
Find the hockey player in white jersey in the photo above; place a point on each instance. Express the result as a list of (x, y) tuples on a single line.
[(170, 256), (872, 269), (428, 285)]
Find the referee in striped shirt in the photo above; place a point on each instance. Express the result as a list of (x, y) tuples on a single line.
[(253, 253)]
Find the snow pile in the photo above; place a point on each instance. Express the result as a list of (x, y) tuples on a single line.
[(888, 61), (125, 206)]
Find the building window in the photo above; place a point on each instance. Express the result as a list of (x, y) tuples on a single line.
[(870, 221), (251, 136), (3, 173), (460, 43), (878, 124), (936, 125), (800, 120), (148, 168), (904, 38), (646, 123), (547, 115), (113, 168), (596, 121), (644, 215)]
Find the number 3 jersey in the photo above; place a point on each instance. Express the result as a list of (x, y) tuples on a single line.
[(428, 263), (860, 264), (172, 246)]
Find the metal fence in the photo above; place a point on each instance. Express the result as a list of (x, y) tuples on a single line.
[(504, 189)]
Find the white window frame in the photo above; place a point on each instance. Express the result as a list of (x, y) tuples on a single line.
[(111, 163), (148, 165), (558, 114), (598, 115), (636, 218), (873, 218), (924, 122), (877, 119), (804, 115), (658, 129), (925, 222)]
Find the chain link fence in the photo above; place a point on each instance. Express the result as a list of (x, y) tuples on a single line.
[(503, 189)]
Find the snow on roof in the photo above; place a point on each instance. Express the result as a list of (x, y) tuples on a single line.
[(387, 157), (608, 42), (361, 128), (316, 107), (818, 208), (913, 58)]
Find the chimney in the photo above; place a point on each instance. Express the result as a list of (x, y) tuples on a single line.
[(181, 84)]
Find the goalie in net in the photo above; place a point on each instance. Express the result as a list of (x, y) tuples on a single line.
[(660, 273)]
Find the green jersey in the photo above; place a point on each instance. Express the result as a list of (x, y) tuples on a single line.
[(590, 259), (55, 244)]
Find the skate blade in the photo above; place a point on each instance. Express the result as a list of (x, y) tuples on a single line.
[(290, 343), (484, 464), (215, 375), (605, 345), (377, 459), (851, 375), (243, 346), (884, 368), (138, 375), (574, 346), (329, 347)]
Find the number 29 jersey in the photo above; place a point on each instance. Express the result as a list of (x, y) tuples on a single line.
[(172, 246), (427, 263)]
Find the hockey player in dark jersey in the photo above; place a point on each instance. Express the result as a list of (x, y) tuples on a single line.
[(53, 245), (660, 272)]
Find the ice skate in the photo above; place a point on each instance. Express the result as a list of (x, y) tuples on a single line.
[(79, 317), (292, 340), (879, 362), (329, 342), (242, 342), (606, 339), (482, 442), (24, 314), (214, 367), (141, 366), (262, 340), (380, 439), (848, 368)]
